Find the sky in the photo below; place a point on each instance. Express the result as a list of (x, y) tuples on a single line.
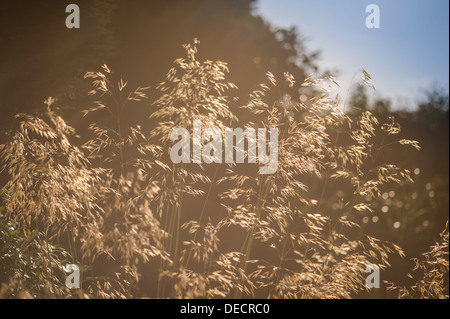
[(405, 56)]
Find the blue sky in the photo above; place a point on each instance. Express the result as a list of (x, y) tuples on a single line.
[(407, 54)]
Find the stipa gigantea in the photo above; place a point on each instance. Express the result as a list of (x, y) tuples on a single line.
[(193, 90), (430, 273), (130, 234), (51, 190), (123, 201), (315, 258)]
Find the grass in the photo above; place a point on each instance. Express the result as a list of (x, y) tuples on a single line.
[(120, 209)]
